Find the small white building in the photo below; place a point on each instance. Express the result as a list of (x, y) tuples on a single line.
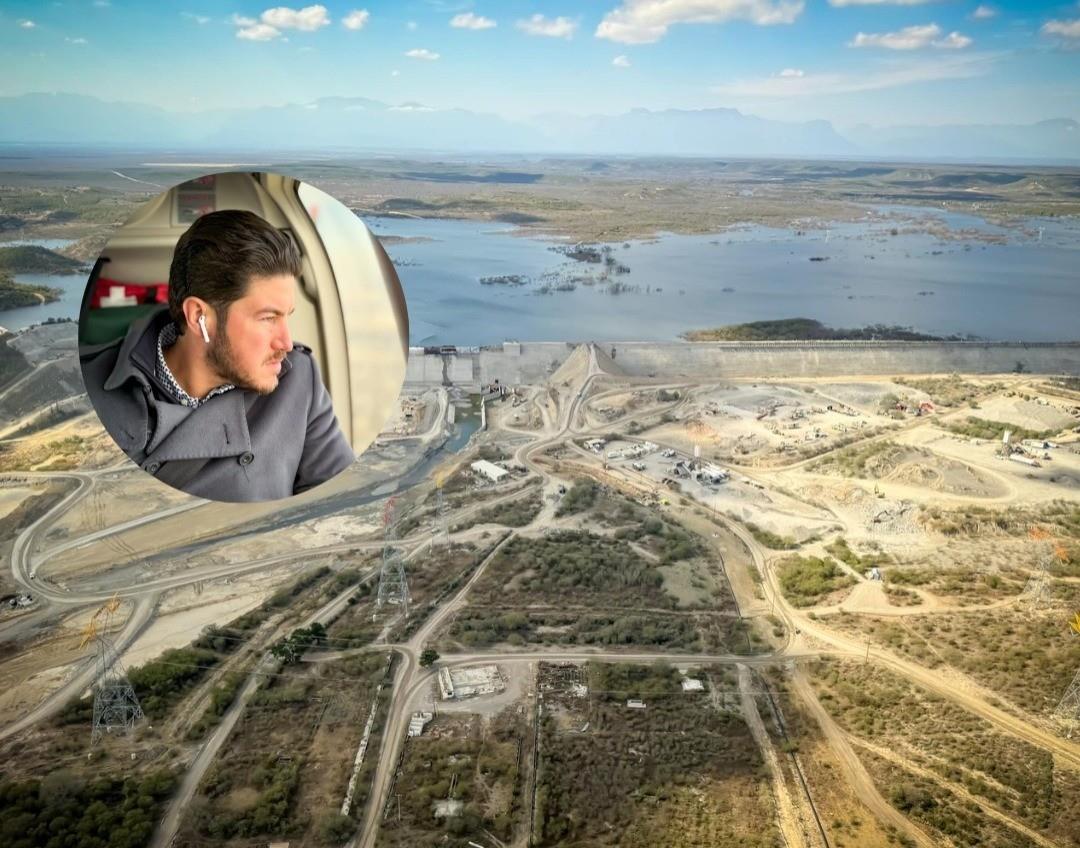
[(635, 704), (489, 469), (692, 684), (418, 722), (467, 682)]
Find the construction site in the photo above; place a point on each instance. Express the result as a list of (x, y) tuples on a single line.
[(606, 605)]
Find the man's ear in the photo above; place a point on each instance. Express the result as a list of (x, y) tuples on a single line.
[(194, 307)]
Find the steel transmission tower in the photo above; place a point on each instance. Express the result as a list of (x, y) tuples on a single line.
[(440, 529), (1037, 590), (116, 707), (1068, 711), (393, 587)]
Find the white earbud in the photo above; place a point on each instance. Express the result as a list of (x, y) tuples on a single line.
[(202, 326)]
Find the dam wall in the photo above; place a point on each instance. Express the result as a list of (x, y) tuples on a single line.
[(532, 362)]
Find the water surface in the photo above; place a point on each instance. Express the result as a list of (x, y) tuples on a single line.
[(1020, 289)]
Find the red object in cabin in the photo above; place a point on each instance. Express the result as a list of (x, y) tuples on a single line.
[(144, 293)]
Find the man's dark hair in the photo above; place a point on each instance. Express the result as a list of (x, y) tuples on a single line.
[(220, 253)]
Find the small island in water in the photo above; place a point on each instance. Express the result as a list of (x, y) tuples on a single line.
[(14, 295), (807, 329), (31, 259)]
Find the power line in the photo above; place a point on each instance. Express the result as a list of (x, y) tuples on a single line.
[(393, 587)]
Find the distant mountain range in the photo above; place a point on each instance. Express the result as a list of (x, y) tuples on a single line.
[(356, 123)]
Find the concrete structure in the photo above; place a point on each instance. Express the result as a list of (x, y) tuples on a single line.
[(489, 470), (466, 682), (534, 362), (448, 809), (418, 722), (635, 704), (709, 473), (690, 684)]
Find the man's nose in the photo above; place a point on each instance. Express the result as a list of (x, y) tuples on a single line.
[(283, 340)]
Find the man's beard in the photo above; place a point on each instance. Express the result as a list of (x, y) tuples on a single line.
[(220, 357)]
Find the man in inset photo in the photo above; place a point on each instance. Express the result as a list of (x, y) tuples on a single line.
[(210, 393)]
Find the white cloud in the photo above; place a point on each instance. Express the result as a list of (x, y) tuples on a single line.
[(1066, 29), (467, 20), (621, 62), (983, 12), (257, 32), (411, 25), (422, 53), (410, 107), (78, 40), (308, 19), (356, 19), (551, 27), (841, 3), (911, 38), (953, 41), (792, 72), (395, 73), (27, 24), (272, 21), (199, 19), (646, 21), (893, 75)]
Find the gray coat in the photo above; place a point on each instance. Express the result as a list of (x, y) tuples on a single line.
[(237, 446)]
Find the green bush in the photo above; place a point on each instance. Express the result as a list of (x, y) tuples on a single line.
[(980, 428), (805, 580), (62, 810), (771, 540), (160, 683), (582, 496)]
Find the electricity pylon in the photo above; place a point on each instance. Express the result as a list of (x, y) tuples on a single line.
[(440, 530), (116, 707), (393, 587), (1037, 589), (1068, 710)]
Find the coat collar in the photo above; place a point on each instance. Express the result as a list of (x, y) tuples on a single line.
[(138, 352)]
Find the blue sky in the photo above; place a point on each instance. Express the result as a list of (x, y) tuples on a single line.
[(882, 62)]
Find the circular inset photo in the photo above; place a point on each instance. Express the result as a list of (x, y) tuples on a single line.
[(243, 337)]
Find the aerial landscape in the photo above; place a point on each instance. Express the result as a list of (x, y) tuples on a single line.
[(699, 584), (732, 496)]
